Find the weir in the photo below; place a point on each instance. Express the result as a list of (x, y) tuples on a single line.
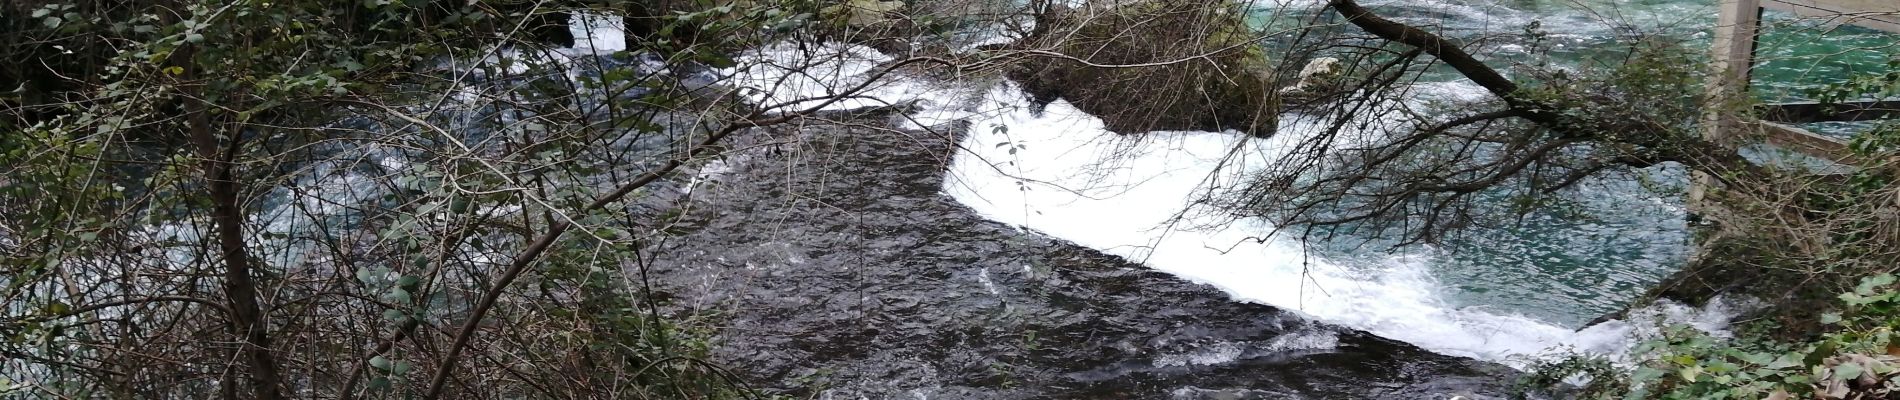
[(1737, 30)]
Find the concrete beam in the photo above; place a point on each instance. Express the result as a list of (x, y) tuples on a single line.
[(1808, 143), (1877, 14), (1803, 112)]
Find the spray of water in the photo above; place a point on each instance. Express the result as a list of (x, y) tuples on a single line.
[(1059, 173)]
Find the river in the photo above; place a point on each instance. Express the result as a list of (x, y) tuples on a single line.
[(1495, 293), (952, 259)]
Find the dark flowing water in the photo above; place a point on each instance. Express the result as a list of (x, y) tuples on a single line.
[(842, 270), (838, 267)]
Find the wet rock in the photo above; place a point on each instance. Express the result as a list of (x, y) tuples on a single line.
[(1317, 78), (841, 272)]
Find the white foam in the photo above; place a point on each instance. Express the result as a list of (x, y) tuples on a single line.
[(598, 33), (791, 76), (1305, 340), (1061, 174), (1218, 353)]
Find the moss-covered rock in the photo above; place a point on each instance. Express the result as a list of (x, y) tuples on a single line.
[(907, 28), (863, 13), (1149, 65)]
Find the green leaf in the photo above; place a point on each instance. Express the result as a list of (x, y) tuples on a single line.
[(1756, 358), (1847, 371), (1822, 352), (1785, 361), (1868, 285), (380, 363), (379, 383), (1853, 299), (1831, 318), (1690, 373), (1646, 374), (397, 296)]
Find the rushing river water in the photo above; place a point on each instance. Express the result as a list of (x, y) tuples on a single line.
[(1494, 293), (879, 276), (1059, 173)]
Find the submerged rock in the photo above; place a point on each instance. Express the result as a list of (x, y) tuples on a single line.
[(840, 271)]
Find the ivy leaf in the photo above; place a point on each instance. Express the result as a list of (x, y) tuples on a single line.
[(1853, 299), (1647, 374), (1690, 373), (397, 296), (1785, 361), (1868, 285), (1756, 358), (1848, 371), (1683, 359)]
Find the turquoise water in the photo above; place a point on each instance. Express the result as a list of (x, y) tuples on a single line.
[(1621, 234)]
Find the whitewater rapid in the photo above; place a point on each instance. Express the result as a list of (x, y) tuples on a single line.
[(1058, 172)]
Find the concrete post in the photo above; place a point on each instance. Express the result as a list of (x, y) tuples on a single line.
[(1735, 31)]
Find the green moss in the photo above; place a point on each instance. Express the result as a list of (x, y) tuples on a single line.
[(1158, 65)]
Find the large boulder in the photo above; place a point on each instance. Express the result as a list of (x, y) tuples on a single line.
[(911, 28), (864, 13), (1148, 65)]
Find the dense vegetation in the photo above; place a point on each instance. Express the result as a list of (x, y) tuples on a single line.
[(457, 199), (456, 225), (1826, 267)]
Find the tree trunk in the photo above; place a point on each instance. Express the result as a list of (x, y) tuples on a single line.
[(240, 290)]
